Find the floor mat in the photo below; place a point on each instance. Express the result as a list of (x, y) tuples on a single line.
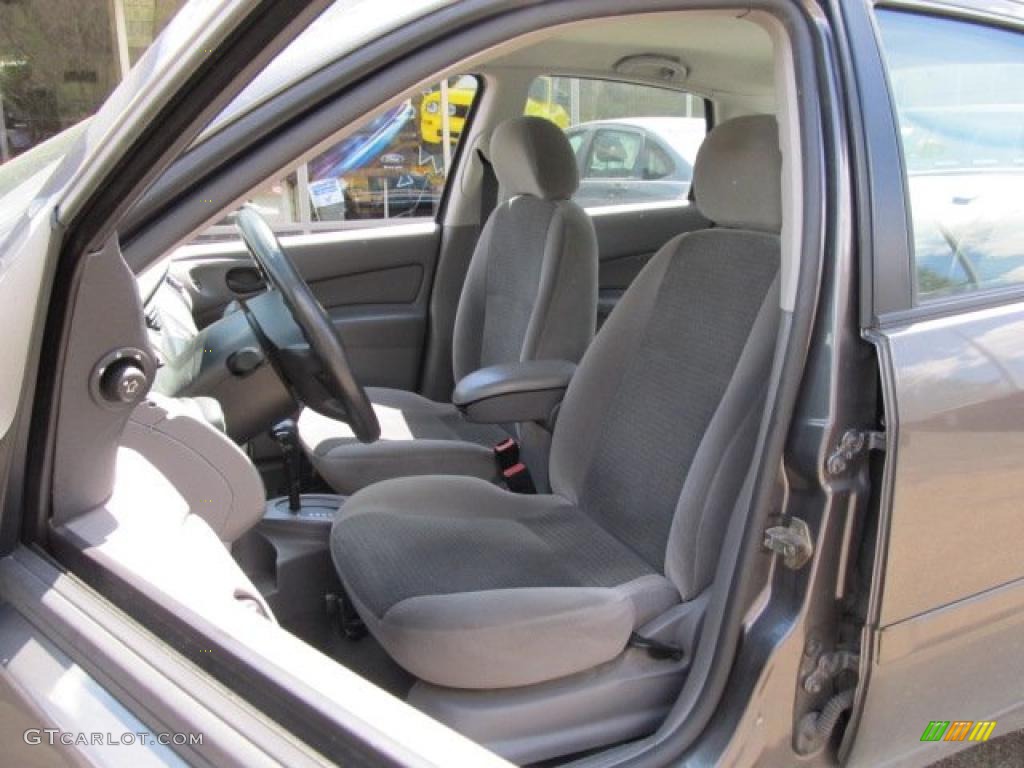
[(365, 657)]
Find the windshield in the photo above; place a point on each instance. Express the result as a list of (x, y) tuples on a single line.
[(23, 167), (343, 27)]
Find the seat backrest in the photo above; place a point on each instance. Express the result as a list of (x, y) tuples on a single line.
[(658, 426), (531, 287)]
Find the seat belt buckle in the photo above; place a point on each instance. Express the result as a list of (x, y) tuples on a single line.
[(518, 479), (516, 475), (506, 453)]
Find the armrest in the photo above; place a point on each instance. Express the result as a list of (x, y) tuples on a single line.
[(514, 392)]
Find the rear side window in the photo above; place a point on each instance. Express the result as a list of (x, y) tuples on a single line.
[(634, 144), (393, 166), (614, 154), (959, 94), (658, 164)]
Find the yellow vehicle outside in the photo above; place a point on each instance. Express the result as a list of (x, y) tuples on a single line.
[(460, 99)]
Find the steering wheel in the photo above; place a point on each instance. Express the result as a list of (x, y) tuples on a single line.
[(334, 373)]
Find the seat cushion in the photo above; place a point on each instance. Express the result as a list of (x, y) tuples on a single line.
[(150, 533), (470, 586), (418, 437)]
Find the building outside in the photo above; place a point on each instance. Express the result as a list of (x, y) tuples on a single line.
[(60, 59)]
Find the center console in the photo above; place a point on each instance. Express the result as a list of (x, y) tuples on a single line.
[(287, 555), (313, 509)]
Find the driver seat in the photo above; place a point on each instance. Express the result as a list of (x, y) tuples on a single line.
[(470, 586), (530, 294)]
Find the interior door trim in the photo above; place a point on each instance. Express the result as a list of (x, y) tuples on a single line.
[(237, 247)]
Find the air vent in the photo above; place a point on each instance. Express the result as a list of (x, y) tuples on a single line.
[(652, 66)]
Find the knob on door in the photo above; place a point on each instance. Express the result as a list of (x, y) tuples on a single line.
[(124, 382), (122, 378)]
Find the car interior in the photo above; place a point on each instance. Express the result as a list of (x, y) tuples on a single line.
[(484, 462)]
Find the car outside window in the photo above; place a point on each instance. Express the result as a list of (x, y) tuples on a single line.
[(657, 163), (392, 167), (576, 140), (958, 87), (634, 144), (613, 154)]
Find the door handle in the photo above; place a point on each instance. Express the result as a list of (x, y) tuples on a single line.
[(244, 280)]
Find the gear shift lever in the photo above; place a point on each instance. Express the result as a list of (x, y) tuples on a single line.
[(287, 436)]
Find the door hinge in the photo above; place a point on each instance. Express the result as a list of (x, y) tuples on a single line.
[(792, 541), (828, 667), (815, 729), (853, 444)]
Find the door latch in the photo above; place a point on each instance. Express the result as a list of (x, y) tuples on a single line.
[(792, 541)]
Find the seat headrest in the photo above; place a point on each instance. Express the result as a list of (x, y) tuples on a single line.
[(737, 178), (531, 156)]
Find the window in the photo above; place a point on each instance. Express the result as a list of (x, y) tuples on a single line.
[(959, 93), (613, 154), (277, 202), (633, 143), (60, 59), (576, 141), (657, 163), (394, 166)]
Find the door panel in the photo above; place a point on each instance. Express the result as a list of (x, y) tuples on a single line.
[(207, 282), (372, 281), (945, 623), (398, 285), (959, 387), (384, 345), (627, 238), (948, 639)]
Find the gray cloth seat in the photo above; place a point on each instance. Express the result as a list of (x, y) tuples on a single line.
[(467, 585), (463, 571), (530, 294), (421, 436)]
